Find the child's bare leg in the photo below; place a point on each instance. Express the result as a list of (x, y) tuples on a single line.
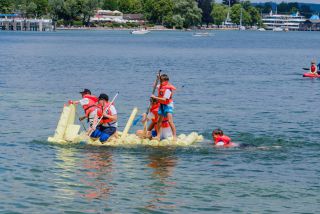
[(159, 129), (172, 126)]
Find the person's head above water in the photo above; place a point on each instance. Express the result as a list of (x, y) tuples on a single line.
[(216, 133)]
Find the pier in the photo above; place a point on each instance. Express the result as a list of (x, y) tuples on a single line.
[(10, 22)]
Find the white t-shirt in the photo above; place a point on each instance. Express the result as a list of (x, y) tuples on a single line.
[(84, 101), (113, 111)]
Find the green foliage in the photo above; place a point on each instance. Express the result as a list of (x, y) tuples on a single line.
[(6, 6), (219, 13), (110, 5), (130, 6), (206, 7), (157, 10), (236, 15), (189, 11)]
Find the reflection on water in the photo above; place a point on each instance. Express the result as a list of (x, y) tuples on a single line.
[(97, 174), (163, 165)]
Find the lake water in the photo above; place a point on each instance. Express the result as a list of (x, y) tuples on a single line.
[(249, 84)]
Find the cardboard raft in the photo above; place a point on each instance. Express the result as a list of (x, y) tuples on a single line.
[(67, 132)]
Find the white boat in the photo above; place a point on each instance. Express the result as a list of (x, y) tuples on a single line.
[(198, 34), (277, 29), (242, 27), (261, 29), (140, 32)]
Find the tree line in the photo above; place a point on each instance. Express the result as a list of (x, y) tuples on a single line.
[(170, 13)]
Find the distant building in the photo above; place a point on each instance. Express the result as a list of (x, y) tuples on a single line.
[(284, 22), (136, 17), (312, 24), (15, 23), (108, 16)]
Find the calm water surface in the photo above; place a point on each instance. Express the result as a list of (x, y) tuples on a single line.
[(247, 83)]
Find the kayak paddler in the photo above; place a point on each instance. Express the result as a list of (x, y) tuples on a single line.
[(313, 68)]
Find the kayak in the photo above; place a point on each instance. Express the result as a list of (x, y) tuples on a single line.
[(311, 75), (67, 132)]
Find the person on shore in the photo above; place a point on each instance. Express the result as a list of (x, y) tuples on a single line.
[(219, 139), (108, 124), (313, 68), (152, 128), (88, 103), (165, 93)]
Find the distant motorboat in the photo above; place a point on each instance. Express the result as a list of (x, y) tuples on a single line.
[(242, 27), (277, 29), (198, 34), (140, 32), (261, 29)]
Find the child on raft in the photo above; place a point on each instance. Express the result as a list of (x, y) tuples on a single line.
[(88, 103), (221, 140), (165, 93), (152, 128)]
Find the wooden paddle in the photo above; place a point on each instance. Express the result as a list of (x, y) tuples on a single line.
[(148, 109)]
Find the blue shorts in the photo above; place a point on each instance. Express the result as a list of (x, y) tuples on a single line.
[(103, 133), (165, 109)]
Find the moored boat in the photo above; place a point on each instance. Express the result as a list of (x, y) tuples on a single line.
[(140, 32)]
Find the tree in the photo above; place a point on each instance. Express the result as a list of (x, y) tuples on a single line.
[(219, 13), (255, 16), (189, 11), (157, 10), (206, 7), (232, 2), (6, 6), (110, 5), (236, 14), (267, 7), (130, 6), (32, 9), (87, 8)]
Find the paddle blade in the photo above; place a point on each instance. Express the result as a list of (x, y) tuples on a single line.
[(307, 69), (137, 120)]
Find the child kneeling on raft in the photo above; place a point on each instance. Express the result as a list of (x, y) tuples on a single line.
[(220, 139), (153, 117), (108, 123)]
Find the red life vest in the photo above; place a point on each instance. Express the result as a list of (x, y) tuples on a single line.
[(162, 89), (224, 138), (313, 68), (102, 109), (91, 106)]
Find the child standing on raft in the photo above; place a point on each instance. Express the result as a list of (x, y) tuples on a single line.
[(165, 93)]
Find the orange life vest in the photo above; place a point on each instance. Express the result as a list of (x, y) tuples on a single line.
[(154, 110), (162, 89), (91, 106), (101, 110), (224, 138)]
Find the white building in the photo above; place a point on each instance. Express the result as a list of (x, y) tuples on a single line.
[(108, 16)]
